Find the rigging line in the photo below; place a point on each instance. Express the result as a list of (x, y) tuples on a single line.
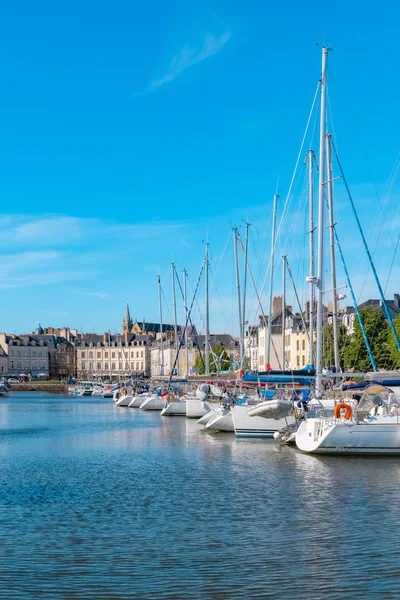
[(298, 300), (186, 324), (285, 207), (382, 218), (223, 253), (190, 318), (165, 301), (197, 306), (211, 271), (259, 303), (389, 318)]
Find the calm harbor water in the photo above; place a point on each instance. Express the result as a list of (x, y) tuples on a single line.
[(111, 503)]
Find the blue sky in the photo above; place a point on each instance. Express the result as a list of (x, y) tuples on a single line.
[(131, 132)]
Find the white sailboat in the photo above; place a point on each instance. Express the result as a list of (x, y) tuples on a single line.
[(153, 402), (373, 427), (220, 420)]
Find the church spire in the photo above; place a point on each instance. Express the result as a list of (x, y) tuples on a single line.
[(127, 314), (127, 322)]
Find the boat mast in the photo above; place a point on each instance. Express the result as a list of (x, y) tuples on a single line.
[(246, 245), (161, 326), (283, 311), (235, 237), (310, 158), (186, 322), (175, 316), (271, 280), (207, 324), (321, 215), (332, 247)]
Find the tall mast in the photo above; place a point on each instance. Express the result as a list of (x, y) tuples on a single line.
[(207, 332), (310, 158), (271, 280), (175, 317), (246, 245), (235, 237), (161, 326), (186, 322), (332, 247), (283, 311), (321, 214)]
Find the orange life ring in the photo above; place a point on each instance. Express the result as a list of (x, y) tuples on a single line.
[(339, 407)]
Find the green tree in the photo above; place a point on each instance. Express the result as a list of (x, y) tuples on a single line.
[(328, 349), (219, 360), (377, 332), (394, 353)]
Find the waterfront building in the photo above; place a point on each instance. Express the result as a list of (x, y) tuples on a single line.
[(3, 362), (26, 354), (111, 357), (251, 347), (196, 350)]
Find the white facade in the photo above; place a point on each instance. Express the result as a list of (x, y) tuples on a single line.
[(114, 359), (276, 354), (25, 355)]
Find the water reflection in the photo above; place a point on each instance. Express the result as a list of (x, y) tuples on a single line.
[(100, 502)]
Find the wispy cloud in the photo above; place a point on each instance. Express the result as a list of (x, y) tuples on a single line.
[(188, 57)]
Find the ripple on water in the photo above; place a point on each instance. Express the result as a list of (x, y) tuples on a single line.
[(100, 502)]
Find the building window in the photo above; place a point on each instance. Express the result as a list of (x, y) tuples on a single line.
[(120, 355), (141, 366), (113, 366), (105, 354), (90, 354), (303, 345), (298, 360), (120, 366), (141, 354), (137, 366), (83, 366), (90, 366), (303, 360), (112, 354), (137, 354), (99, 366), (83, 355), (133, 366), (132, 354), (19, 364), (298, 345), (126, 366), (33, 354), (99, 355), (106, 366)]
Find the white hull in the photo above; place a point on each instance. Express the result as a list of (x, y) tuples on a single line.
[(322, 436), (209, 415), (137, 401), (174, 409), (153, 403), (196, 408), (257, 427), (124, 400), (221, 421)]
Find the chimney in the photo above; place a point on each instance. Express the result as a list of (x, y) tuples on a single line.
[(105, 338), (276, 304)]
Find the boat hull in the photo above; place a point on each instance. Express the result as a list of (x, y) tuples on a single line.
[(174, 409), (195, 408), (124, 401), (256, 426), (153, 403), (221, 421), (336, 437)]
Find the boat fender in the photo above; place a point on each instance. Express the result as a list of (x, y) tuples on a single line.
[(341, 406)]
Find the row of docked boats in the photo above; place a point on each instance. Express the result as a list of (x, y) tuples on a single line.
[(337, 423), (90, 388)]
